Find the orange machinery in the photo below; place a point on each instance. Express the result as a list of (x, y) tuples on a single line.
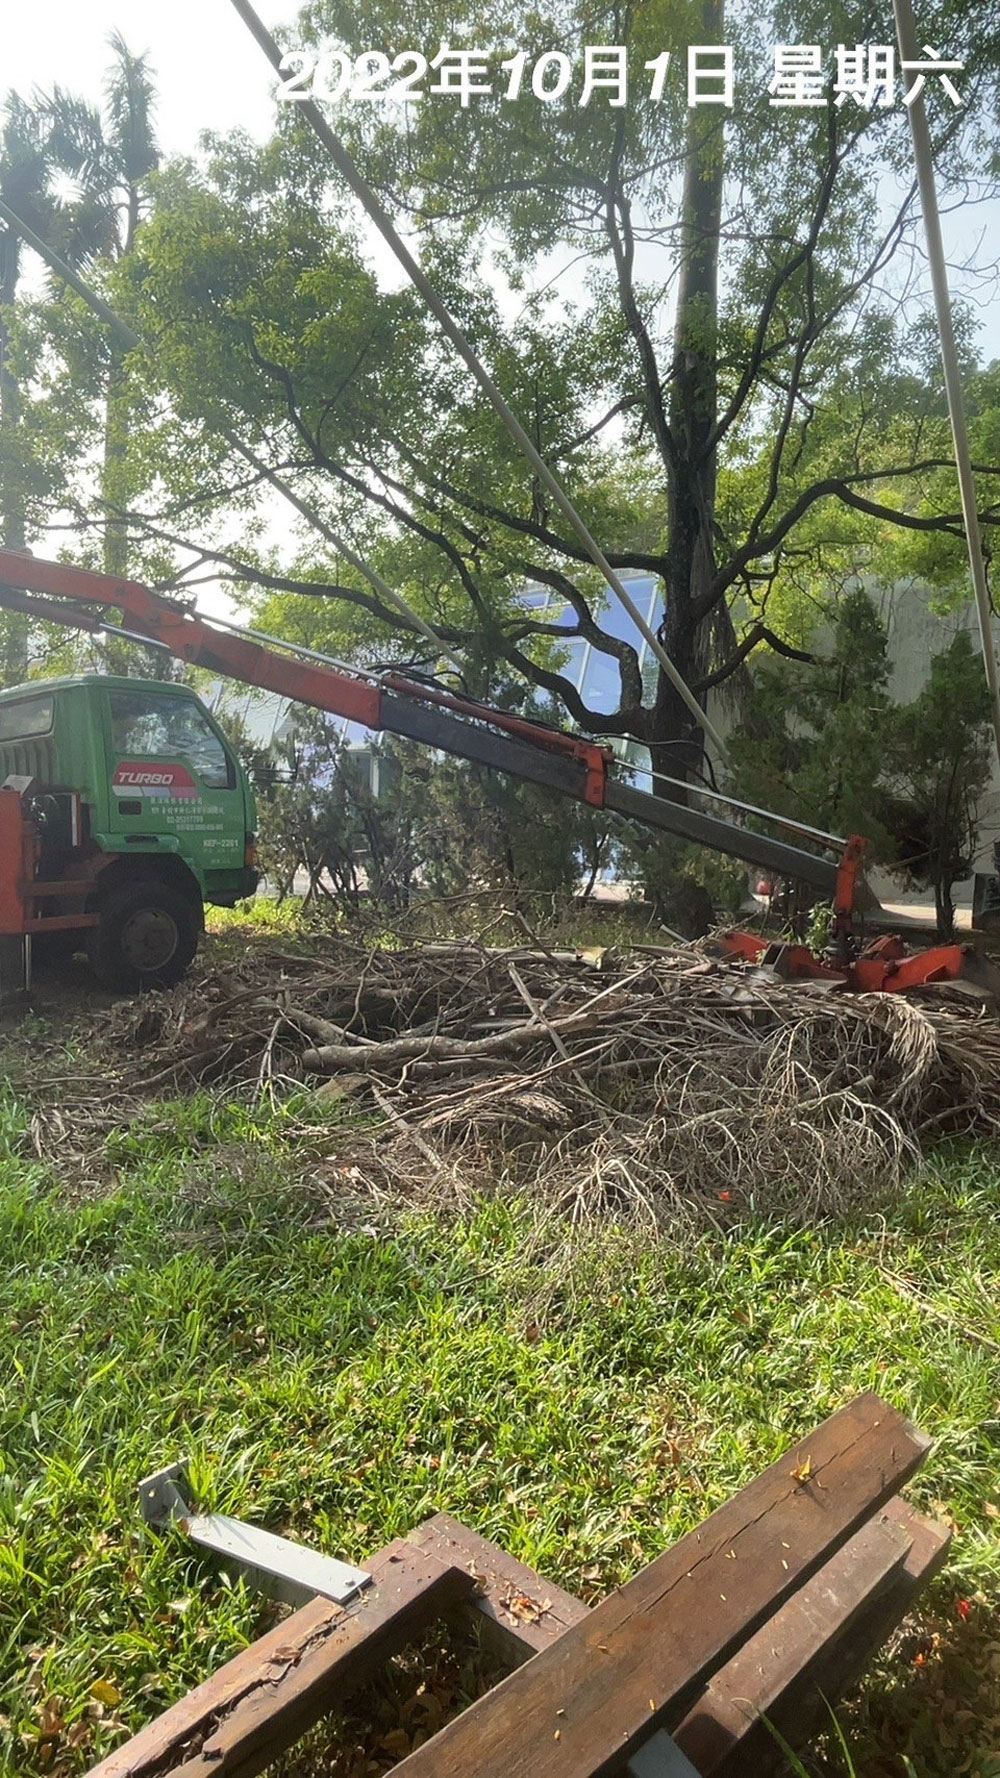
[(568, 764)]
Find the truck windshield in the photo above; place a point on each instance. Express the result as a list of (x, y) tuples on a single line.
[(150, 725)]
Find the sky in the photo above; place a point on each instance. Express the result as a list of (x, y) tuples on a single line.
[(209, 72)]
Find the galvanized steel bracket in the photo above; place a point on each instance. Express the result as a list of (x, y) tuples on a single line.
[(274, 1565)]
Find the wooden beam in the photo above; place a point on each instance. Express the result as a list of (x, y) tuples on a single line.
[(636, 1663), (795, 1703), (240, 1720), (520, 1612), (815, 1647)]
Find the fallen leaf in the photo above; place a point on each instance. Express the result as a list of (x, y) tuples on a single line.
[(52, 1718), (528, 1610), (396, 1742), (594, 955)]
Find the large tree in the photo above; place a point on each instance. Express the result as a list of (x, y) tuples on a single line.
[(25, 185), (110, 152), (703, 315)]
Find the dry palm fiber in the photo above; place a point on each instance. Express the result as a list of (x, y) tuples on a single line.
[(660, 1084)]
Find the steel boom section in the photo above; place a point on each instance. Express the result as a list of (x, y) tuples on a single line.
[(568, 765), (554, 771)]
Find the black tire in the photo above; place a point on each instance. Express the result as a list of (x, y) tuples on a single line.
[(52, 953), (146, 936)]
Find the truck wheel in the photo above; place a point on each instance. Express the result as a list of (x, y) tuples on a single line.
[(146, 937), (53, 952)]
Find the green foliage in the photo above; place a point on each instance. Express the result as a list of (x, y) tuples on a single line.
[(582, 1400), (551, 230), (814, 738), (66, 416), (942, 758), (826, 745), (687, 887), (820, 928), (379, 822), (346, 822), (486, 831), (263, 913)]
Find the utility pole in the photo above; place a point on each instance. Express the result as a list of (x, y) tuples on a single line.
[(906, 33)]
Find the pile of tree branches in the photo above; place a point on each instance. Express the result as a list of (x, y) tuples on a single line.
[(664, 1084)]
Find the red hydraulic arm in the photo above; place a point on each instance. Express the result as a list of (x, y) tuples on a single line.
[(190, 638), (187, 636), (568, 764)]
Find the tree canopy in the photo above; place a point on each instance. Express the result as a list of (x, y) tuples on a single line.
[(705, 317)]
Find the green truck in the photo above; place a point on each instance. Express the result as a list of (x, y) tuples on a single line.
[(143, 812)]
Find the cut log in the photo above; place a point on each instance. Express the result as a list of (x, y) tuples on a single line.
[(440, 1049)]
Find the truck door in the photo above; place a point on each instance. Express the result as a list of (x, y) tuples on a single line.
[(173, 779)]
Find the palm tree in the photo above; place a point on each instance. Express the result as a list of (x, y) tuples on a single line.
[(110, 155), (25, 173)]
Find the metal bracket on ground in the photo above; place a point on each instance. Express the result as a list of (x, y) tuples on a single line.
[(274, 1565), (660, 1757)]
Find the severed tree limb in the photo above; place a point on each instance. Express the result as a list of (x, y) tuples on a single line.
[(437, 1049)]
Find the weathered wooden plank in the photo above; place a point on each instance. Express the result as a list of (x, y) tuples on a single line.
[(521, 1612), (582, 1706), (238, 1721), (799, 1711), (791, 1654), (815, 1646)]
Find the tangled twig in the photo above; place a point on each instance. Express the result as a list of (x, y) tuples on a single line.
[(665, 1085)]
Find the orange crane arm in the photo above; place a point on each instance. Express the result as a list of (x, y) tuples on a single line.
[(187, 636), (569, 764)]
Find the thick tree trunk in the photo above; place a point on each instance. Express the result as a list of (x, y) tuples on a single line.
[(112, 488), (114, 491), (944, 909), (13, 526), (690, 563), (11, 498)]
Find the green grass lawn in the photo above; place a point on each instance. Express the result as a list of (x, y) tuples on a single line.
[(582, 1401)]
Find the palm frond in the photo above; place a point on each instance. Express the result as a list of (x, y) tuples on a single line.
[(76, 139), (131, 102)]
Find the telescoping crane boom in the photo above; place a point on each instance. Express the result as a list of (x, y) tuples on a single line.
[(568, 764)]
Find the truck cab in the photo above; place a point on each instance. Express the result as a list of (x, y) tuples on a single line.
[(143, 813)]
